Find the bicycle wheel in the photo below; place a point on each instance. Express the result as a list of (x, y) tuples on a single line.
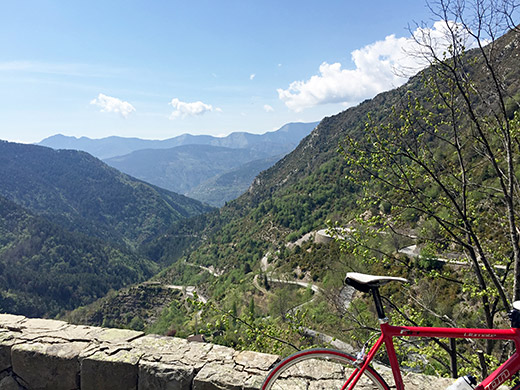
[(317, 369)]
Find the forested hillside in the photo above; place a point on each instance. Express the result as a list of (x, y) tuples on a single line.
[(85, 195), (72, 228), (45, 270)]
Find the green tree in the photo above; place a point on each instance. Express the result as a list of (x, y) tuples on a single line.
[(448, 158)]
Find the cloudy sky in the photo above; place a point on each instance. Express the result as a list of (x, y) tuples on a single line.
[(158, 69)]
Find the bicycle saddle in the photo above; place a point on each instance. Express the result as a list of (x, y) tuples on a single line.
[(365, 282)]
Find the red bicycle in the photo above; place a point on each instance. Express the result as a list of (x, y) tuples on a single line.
[(316, 369)]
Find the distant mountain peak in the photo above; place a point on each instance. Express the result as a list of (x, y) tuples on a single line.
[(113, 146), (183, 163)]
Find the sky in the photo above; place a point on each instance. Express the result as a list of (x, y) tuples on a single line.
[(160, 68)]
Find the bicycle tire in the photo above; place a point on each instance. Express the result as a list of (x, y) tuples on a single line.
[(319, 369)]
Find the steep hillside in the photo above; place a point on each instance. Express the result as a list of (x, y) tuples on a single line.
[(182, 168), (83, 194), (251, 238), (45, 270), (222, 188)]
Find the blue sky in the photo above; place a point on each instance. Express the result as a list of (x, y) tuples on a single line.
[(158, 69)]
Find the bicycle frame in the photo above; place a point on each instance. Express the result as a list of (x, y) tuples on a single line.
[(388, 332)]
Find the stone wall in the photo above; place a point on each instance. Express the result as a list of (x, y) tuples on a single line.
[(55, 355)]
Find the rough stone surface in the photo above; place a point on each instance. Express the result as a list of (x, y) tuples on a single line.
[(115, 335), (159, 376), (114, 369), (42, 325), (10, 321), (48, 354), (261, 361), (9, 383), (215, 376), (5, 351), (48, 366), (415, 381)]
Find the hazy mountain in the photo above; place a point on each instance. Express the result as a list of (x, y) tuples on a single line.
[(219, 189), (275, 142), (182, 168), (182, 164)]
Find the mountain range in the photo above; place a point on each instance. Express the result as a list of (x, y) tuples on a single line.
[(274, 142), (192, 164)]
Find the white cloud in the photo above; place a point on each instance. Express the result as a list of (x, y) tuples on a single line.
[(380, 66), (252, 76), (268, 108), (183, 109), (112, 104)]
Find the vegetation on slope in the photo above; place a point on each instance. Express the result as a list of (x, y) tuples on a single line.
[(83, 194), (307, 188), (72, 229), (45, 270)]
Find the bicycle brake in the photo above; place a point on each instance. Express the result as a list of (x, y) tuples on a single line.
[(360, 357)]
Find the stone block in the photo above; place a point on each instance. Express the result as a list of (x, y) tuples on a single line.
[(197, 353), (7, 339), (160, 346), (5, 357), (256, 360), (216, 376), (9, 321), (160, 376), (219, 353), (115, 371), (112, 335), (75, 333), (48, 366), (9, 383)]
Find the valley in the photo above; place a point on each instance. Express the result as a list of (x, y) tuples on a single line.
[(412, 179)]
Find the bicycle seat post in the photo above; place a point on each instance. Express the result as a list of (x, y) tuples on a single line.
[(371, 283), (379, 305)]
